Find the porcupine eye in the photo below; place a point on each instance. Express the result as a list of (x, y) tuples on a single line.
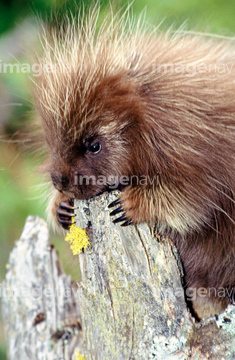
[(95, 148)]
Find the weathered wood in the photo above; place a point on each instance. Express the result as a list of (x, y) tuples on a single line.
[(130, 285), (132, 300), (131, 297), (35, 288)]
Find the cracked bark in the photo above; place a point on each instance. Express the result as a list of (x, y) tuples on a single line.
[(40, 308), (131, 298)]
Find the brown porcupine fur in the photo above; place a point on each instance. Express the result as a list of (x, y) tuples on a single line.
[(107, 88)]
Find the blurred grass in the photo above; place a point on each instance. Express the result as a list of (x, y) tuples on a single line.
[(13, 11), (20, 185)]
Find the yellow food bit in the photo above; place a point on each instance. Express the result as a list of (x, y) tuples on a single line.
[(77, 239), (79, 357)]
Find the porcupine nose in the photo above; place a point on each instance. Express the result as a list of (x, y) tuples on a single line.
[(60, 181)]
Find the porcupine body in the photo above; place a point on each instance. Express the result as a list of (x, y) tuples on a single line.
[(117, 102)]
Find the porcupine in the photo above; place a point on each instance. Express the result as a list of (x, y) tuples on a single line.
[(121, 100)]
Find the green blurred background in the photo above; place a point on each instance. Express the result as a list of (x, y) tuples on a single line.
[(21, 186)]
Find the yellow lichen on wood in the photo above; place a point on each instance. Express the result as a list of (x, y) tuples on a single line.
[(79, 357), (77, 238)]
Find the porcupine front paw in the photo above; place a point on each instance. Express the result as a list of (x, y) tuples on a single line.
[(121, 211), (124, 209), (65, 213), (134, 206)]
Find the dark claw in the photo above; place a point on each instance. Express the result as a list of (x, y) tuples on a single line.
[(126, 223), (114, 203), (116, 211), (66, 223), (64, 213), (65, 227), (121, 218), (66, 206), (232, 297)]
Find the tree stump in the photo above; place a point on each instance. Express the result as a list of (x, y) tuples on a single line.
[(130, 300), (40, 304)]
